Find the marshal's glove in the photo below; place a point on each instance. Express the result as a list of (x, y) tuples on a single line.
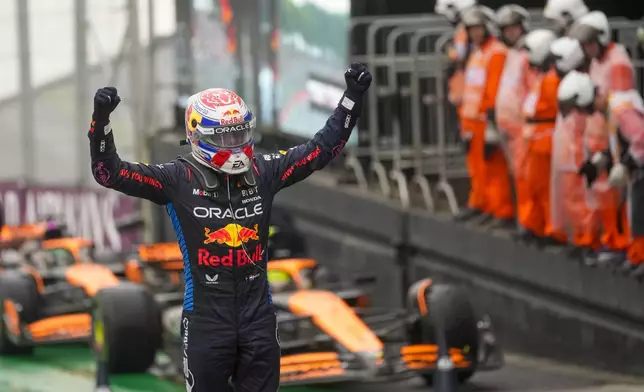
[(622, 172), (603, 161), (105, 101), (619, 176), (589, 171), (358, 79)]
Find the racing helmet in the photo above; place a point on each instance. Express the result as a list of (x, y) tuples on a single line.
[(537, 45), (219, 129), (576, 90), (592, 27), (452, 9), (567, 55), (510, 15), (564, 13)]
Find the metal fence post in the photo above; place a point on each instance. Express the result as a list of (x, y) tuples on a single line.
[(137, 109), (82, 88), (185, 67), (26, 93), (150, 103)]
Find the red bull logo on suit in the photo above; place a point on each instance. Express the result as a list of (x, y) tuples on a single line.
[(232, 235)]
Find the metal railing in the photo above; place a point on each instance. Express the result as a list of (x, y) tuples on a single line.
[(413, 149)]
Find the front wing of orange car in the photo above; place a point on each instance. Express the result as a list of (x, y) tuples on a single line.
[(68, 328)]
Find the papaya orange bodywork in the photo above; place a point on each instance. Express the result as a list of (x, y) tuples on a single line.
[(425, 356), (336, 318), (92, 277), (70, 243), (422, 298), (11, 317), (310, 365), (160, 252), (71, 326), (133, 272), (12, 235)]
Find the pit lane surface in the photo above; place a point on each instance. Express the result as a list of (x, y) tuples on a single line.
[(70, 368), (529, 375)]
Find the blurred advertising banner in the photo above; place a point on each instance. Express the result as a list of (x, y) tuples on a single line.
[(90, 213), (214, 44)]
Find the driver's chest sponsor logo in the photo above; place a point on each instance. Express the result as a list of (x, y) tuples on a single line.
[(201, 192), (250, 195), (219, 213), (232, 235), (240, 257), (212, 279)]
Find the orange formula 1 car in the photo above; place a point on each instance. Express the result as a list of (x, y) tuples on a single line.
[(330, 334), (57, 294), (15, 237)]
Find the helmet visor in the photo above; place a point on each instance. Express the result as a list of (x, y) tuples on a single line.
[(226, 136)]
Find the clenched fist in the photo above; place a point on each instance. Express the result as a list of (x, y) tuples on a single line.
[(105, 101), (358, 79)]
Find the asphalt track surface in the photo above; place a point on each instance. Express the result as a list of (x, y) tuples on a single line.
[(70, 368)]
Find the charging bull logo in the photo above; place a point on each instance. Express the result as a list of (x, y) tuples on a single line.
[(232, 235), (229, 117)]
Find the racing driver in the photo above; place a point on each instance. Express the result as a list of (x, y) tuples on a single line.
[(219, 198)]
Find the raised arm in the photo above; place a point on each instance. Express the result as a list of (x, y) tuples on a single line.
[(288, 167), (153, 183)]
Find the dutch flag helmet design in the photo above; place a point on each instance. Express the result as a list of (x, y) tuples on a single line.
[(219, 129)]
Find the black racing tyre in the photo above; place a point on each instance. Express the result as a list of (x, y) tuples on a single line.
[(126, 328), (459, 320), (22, 290)]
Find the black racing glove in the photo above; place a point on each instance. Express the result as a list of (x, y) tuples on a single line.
[(358, 79), (105, 101), (589, 171)]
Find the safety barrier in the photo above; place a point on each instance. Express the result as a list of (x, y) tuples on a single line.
[(413, 141), (542, 303)]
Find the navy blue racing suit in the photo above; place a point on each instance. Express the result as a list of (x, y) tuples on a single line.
[(229, 325)]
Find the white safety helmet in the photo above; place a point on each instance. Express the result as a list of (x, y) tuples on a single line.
[(512, 14), (452, 9), (567, 54), (480, 16), (590, 27), (537, 44), (576, 90), (219, 128), (564, 12)]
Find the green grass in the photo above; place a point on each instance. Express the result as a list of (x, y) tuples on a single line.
[(71, 368)]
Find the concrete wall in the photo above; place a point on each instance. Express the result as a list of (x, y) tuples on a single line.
[(542, 304)]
